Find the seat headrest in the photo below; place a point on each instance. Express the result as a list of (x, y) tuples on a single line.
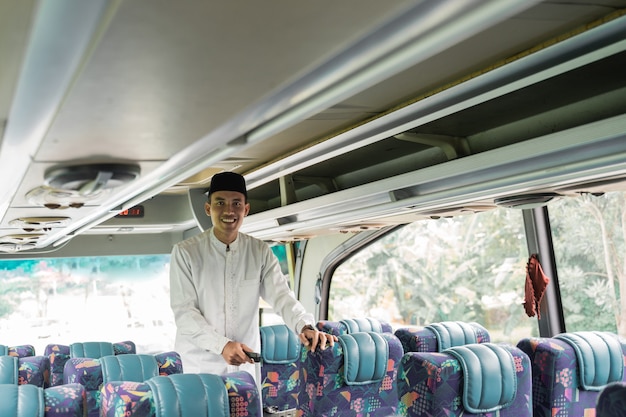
[(600, 357), (189, 395), (279, 344), (21, 401), (453, 333), (9, 370), (362, 325), (94, 350), (4, 350), (365, 357), (129, 367), (489, 376)]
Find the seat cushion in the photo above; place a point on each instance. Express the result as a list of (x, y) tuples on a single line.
[(189, 395)]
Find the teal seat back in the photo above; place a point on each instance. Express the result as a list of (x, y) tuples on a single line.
[(9, 370), (362, 325), (489, 376), (129, 367), (189, 395), (279, 344), (365, 357), (453, 333), (92, 350), (21, 401), (600, 358)]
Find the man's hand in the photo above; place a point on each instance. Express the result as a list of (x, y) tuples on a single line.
[(312, 338), (234, 353)]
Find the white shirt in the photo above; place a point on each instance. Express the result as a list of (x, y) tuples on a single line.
[(214, 294)]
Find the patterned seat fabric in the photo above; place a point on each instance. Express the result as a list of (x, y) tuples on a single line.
[(433, 383), (57, 356), (21, 351), (280, 370), (558, 390), (429, 338), (88, 373), (128, 399), (93, 373), (325, 377), (34, 370), (65, 401), (612, 401), (354, 325)]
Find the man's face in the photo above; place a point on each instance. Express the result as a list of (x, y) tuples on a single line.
[(227, 210)]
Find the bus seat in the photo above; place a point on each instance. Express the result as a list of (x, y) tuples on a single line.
[(612, 400), (238, 394), (570, 369), (93, 373), (346, 326), (125, 347), (88, 373), (469, 380), (439, 336), (34, 370), (57, 355), (169, 363), (65, 401), (280, 370), (128, 367), (21, 401), (4, 350), (357, 375), (21, 351), (9, 366), (93, 350)]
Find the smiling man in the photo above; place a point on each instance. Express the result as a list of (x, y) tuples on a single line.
[(216, 280)]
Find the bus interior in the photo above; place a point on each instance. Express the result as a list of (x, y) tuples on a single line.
[(403, 158)]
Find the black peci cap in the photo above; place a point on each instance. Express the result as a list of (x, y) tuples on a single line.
[(228, 181)]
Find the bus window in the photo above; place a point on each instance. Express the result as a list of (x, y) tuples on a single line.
[(588, 235), (469, 268), (66, 300)]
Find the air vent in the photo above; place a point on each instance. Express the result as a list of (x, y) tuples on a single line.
[(526, 201), (30, 224), (90, 179)]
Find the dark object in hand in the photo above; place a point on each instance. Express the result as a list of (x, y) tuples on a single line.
[(254, 356)]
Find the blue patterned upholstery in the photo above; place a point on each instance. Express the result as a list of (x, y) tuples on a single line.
[(354, 325), (88, 373), (438, 336), (34, 370), (280, 370), (122, 348), (244, 398), (443, 384), (58, 356), (21, 351), (324, 389), (93, 373), (557, 387), (21, 401), (612, 401), (169, 363), (65, 401)]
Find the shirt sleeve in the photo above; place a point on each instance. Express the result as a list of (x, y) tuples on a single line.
[(275, 290), (190, 321)]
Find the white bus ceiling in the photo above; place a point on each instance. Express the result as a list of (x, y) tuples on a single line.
[(323, 106)]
